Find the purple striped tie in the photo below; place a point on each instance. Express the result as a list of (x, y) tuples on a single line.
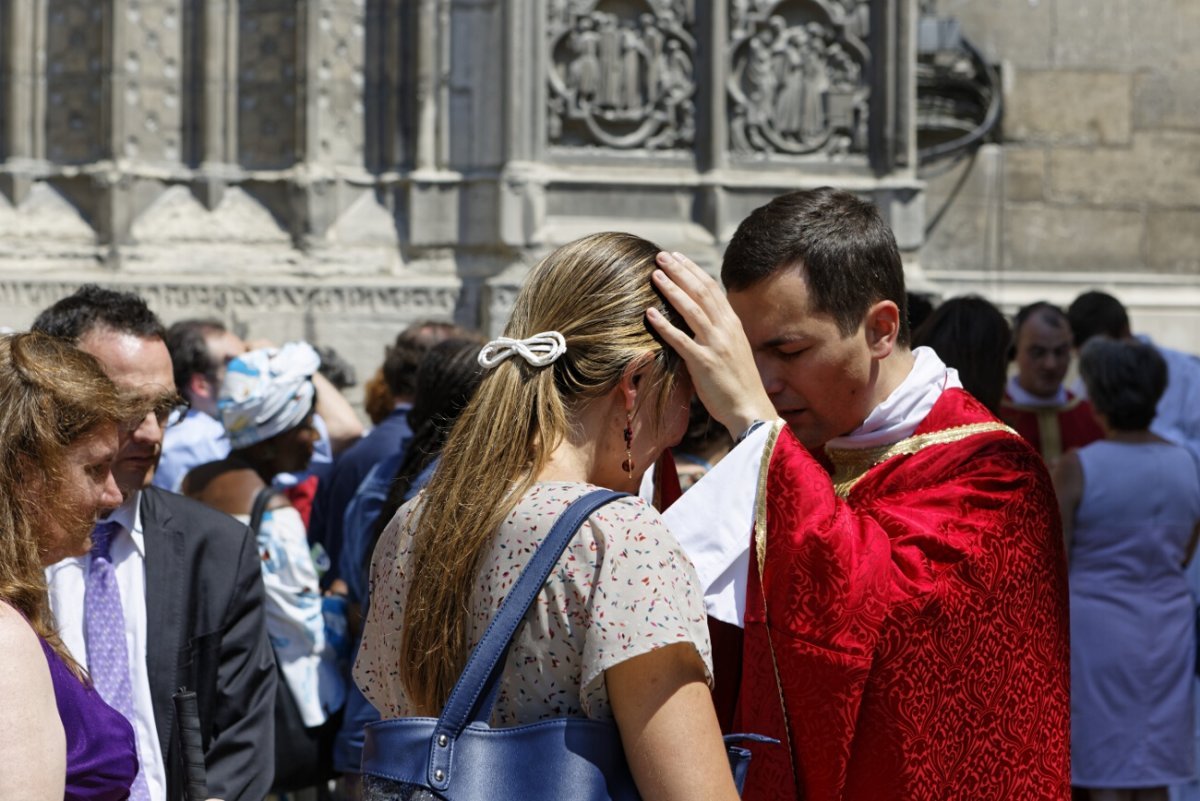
[(104, 627)]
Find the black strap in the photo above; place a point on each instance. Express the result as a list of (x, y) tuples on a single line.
[(259, 507)]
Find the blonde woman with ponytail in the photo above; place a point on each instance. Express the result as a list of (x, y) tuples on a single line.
[(578, 394)]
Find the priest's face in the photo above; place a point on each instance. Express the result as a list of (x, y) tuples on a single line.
[(821, 382), (1043, 353)]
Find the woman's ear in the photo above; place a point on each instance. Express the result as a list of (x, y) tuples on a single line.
[(631, 381), (882, 328)]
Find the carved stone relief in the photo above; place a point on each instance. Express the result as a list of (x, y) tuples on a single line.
[(621, 75), (268, 50), (798, 83), (154, 115), (75, 39), (433, 300)]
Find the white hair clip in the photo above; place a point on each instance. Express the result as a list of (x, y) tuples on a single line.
[(539, 350)]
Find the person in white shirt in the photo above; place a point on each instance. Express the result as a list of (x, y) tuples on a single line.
[(1177, 417)]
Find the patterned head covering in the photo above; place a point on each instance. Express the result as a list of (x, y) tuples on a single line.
[(267, 392)]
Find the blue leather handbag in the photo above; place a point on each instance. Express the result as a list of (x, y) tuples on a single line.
[(459, 757)]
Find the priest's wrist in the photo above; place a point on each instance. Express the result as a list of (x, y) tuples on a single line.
[(741, 425), (747, 431)]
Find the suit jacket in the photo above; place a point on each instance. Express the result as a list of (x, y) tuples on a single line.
[(207, 632)]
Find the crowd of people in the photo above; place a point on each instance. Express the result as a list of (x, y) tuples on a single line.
[(890, 535)]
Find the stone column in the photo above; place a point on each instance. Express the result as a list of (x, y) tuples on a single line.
[(431, 84), (113, 215), (23, 94), (215, 99)]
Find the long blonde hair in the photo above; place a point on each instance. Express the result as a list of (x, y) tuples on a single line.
[(51, 395), (595, 292)]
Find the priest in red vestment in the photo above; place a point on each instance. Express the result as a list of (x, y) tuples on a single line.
[(1036, 404), (891, 550)]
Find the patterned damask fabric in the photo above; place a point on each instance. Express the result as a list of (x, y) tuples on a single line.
[(920, 627)]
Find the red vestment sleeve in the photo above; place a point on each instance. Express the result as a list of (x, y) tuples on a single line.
[(918, 629)]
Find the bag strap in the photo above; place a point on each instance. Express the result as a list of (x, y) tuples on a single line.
[(259, 508), (473, 694)]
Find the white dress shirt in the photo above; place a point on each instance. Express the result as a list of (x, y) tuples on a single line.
[(68, 581)]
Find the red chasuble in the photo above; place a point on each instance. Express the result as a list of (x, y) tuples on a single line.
[(1053, 430), (918, 626)]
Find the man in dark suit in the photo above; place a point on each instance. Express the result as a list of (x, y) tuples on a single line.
[(189, 579)]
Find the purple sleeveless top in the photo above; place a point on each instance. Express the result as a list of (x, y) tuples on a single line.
[(101, 751)]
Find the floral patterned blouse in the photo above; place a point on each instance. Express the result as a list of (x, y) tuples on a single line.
[(622, 588)]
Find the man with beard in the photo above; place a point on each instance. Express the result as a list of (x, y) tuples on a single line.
[(189, 588)]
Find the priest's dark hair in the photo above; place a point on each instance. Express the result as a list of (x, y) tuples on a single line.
[(846, 253)]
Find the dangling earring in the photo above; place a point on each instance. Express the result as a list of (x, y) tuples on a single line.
[(627, 465)]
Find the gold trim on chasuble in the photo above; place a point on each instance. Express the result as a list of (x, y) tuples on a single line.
[(849, 466), (760, 548), (1050, 433)]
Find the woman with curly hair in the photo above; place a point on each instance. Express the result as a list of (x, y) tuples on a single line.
[(59, 421)]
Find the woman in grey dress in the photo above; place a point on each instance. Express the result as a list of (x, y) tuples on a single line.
[(1130, 505)]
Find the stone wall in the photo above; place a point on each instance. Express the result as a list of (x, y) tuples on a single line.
[(1097, 182), (333, 169)]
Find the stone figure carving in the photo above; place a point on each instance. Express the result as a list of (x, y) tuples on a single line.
[(621, 78), (653, 41), (796, 85), (585, 69)]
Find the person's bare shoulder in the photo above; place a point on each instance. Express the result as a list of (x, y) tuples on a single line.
[(32, 741), (227, 486), (16, 635)]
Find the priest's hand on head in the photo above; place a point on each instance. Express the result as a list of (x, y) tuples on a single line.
[(718, 355)]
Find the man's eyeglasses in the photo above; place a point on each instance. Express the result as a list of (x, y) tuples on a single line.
[(170, 410)]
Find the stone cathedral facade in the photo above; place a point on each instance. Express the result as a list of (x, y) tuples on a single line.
[(332, 169)]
